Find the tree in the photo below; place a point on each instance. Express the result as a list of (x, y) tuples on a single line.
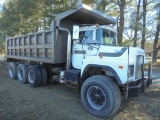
[(16, 16), (156, 47), (120, 25), (144, 25), (2, 43), (25, 16), (119, 8), (136, 24)]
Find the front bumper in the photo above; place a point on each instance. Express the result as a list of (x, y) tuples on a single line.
[(143, 83)]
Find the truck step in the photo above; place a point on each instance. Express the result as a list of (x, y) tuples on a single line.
[(71, 75)]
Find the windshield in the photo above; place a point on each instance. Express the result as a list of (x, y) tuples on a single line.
[(85, 35), (106, 37)]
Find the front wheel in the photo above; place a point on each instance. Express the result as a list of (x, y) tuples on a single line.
[(101, 96)]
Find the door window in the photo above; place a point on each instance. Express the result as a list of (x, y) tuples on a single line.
[(85, 35)]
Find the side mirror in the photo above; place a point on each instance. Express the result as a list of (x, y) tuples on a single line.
[(75, 32)]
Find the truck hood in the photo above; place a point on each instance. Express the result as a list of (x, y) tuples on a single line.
[(120, 52)]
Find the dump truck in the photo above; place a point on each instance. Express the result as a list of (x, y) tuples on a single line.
[(81, 51)]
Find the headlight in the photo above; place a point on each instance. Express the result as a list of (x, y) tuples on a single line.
[(130, 70)]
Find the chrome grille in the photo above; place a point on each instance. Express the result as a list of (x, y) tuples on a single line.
[(139, 62)]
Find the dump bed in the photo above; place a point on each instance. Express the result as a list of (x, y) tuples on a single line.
[(32, 47), (50, 46)]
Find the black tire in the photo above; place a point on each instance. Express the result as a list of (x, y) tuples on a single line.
[(44, 75), (34, 76), (22, 73), (101, 96), (12, 70)]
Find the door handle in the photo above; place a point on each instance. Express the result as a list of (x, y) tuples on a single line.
[(76, 48)]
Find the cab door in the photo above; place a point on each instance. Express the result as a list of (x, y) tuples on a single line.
[(80, 48), (78, 55)]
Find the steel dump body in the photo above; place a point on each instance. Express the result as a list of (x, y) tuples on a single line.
[(32, 47), (50, 46)]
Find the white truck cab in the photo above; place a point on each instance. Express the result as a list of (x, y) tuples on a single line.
[(97, 45)]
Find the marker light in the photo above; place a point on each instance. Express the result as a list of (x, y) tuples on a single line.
[(101, 55), (121, 67)]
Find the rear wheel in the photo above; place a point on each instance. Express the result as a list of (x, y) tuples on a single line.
[(34, 76), (44, 75), (12, 70), (22, 73), (100, 96)]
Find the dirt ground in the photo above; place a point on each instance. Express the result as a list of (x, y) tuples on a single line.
[(58, 102)]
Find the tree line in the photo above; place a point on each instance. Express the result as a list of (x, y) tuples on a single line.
[(138, 21)]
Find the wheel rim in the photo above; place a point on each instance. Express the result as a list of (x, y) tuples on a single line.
[(10, 72), (31, 76), (96, 97), (20, 74)]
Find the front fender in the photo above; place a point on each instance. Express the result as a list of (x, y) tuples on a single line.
[(108, 68)]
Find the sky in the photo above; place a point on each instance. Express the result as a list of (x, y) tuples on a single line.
[(2, 1)]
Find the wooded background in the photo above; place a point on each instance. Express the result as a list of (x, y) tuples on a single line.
[(138, 21)]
